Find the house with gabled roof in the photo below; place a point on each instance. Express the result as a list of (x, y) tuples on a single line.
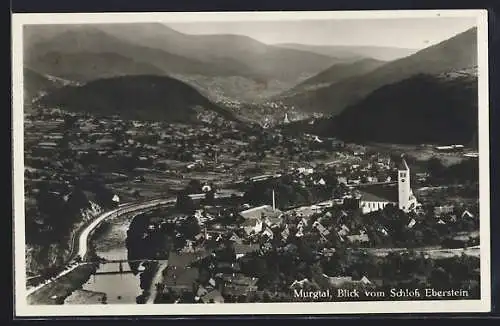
[(467, 214), (213, 296)]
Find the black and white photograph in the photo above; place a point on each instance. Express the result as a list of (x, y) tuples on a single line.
[(251, 163)]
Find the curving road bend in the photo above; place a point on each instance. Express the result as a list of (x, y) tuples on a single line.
[(83, 239)]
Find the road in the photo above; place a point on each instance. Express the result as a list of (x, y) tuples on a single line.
[(83, 238), (435, 253)]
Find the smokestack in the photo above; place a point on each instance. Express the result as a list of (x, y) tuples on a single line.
[(274, 201)]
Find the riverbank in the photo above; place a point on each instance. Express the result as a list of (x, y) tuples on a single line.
[(56, 292), (157, 278), (86, 297)]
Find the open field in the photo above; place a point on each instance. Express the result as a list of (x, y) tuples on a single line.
[(422, 153)]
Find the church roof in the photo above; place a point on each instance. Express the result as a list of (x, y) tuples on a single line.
[(380, 193), (258, 212)]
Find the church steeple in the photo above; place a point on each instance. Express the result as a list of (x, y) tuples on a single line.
[(404, 189), (285, 120)]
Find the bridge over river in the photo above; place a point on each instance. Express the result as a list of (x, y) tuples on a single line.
[(118, 266)]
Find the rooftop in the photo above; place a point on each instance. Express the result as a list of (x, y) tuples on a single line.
[(380, 193), (241, 248), (213, 296), (261, 211), (180, 276)]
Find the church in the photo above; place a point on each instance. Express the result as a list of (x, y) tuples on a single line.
[(377, 197)]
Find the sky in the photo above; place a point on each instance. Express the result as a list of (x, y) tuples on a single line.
[(411, 33)]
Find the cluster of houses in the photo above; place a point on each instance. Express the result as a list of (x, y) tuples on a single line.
[(260, 228), (148, 142), (257, 233), (372, 182)]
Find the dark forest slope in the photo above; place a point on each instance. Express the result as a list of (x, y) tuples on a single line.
[(422, 109), (455, 53), (136, 97)]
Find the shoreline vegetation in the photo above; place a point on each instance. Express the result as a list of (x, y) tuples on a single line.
[(157, 279), (67, 285), (155, 247), (81, 296), (146, 281), (58, 291), (51, 239)]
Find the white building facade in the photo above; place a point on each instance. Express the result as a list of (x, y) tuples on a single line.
[(402, 197)]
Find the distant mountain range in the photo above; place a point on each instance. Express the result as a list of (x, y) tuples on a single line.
[(455, 53), (86, 44), (247, 57), (424, 108), (349, 53), (86, 66), (121, 49), (222, 67), (335, 74), (36, 85), (154, 98), (151, 71)]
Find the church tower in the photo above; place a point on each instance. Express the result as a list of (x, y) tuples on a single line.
[(404, 189), (286, 120)]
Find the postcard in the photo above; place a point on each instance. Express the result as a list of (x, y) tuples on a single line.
[(230, 163)]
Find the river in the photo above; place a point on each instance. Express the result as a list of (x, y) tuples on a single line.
[(117, 288), (123, 288)]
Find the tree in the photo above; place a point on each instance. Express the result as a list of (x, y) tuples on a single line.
[(440, 278), (183, 202), (190, 228), (136, 193), (210, 197), (435, 167), (70, 121), (194, 186)]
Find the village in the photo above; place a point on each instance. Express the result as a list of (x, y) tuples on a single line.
[(261, 213), (237, 252)]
